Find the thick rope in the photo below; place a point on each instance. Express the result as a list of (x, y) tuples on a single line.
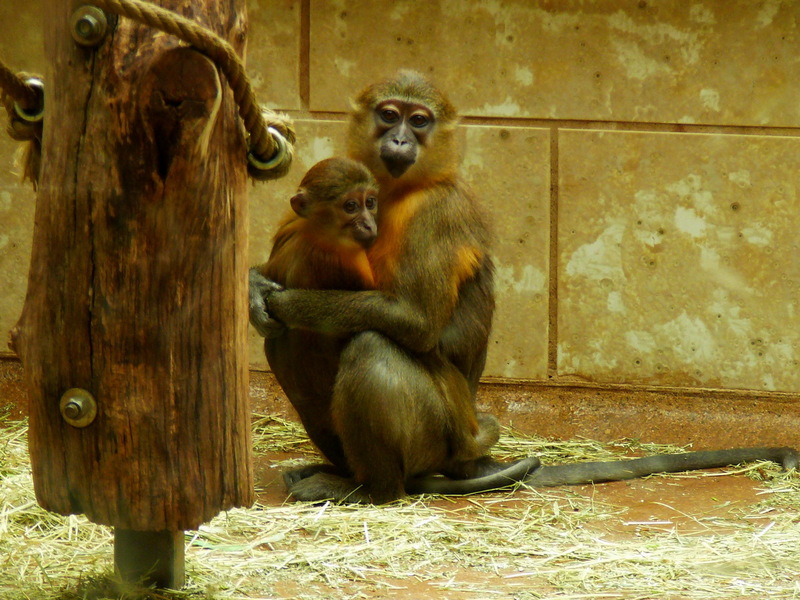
[(263, 146), (17, 89)]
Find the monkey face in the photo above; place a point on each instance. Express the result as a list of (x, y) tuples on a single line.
[(359, 209), (402, 129)]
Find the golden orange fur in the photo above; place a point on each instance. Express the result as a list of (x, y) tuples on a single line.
[(304, 258), (394, 219)]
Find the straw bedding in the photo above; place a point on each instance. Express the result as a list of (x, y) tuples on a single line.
[(521, 545)]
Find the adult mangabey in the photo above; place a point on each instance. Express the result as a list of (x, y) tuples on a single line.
[(418, 341), (402, 404)]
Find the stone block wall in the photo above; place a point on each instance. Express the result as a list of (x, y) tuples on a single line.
[(640, 160)]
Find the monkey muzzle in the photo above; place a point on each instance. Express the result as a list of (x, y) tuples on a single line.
[(364, 234), (398, 154)]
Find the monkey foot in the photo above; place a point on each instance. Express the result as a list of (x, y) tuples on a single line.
[(293, 476)]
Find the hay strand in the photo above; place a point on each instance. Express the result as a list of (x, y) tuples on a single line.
[(526, 544)]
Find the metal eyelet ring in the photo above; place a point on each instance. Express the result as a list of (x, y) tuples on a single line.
[(29, 116), (277, 158)]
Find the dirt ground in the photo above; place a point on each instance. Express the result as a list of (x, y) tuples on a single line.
[(714, 504)]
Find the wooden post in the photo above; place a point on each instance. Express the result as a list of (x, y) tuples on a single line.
[(137, 288)]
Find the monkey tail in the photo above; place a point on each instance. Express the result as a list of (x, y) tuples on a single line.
[(618, 470), (511, 475)]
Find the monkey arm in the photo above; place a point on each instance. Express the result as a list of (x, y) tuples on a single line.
[(413, 313), (334, 312), (415, 317), (425, 274)]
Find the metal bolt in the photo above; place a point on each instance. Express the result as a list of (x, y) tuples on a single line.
[(78, 407), (72, 410), (89, 25)]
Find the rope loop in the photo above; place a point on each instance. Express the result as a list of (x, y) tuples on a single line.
[(17, 88), (279, 153), (22, 96)]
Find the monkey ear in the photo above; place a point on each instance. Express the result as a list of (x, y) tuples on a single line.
[(355, 105), (300, 203)]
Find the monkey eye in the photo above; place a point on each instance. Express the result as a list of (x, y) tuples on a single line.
[(372, 202), (418, 120), (351, 206), (389, 115)]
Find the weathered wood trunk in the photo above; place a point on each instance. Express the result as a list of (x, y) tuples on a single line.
[(137, 286)]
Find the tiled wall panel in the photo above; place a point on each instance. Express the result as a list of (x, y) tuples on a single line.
[(23, 51), (273, 52), (678, 259), (727, 62), (21, 42), (17, 205), (509, 170)]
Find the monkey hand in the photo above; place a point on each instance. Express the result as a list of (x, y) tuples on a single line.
[(260, 288)]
